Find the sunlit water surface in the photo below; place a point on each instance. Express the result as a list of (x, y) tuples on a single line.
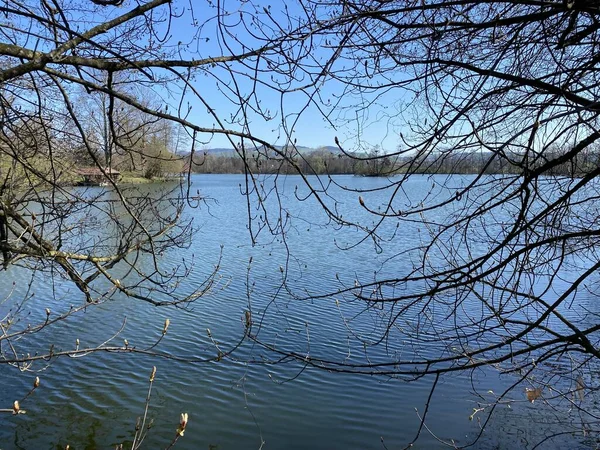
[(93, 402)]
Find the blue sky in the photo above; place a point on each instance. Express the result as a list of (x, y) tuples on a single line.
[(311, 128), (194, 34)]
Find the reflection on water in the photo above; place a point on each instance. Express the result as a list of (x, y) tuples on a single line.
[(93, 402)]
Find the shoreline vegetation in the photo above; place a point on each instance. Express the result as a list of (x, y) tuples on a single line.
[(328, 161), (67, 173), (377, 164)]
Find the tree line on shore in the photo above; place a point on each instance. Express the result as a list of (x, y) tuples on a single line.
[(377, 163)]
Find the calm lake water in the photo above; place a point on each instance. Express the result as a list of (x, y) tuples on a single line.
[(93, 402)]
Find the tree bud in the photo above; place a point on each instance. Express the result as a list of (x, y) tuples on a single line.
[(182, 423)]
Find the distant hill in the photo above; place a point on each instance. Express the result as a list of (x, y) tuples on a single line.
[(331, 149), (218, 151), (300, 148)]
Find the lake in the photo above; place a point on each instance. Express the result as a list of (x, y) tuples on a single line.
[(251, 400)]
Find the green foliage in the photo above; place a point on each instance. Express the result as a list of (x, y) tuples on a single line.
[(148, 152)]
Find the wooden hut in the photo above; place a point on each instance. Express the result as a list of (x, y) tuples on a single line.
[(93, 176)]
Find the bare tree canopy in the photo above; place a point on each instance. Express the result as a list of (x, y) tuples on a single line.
[(508, 89)]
